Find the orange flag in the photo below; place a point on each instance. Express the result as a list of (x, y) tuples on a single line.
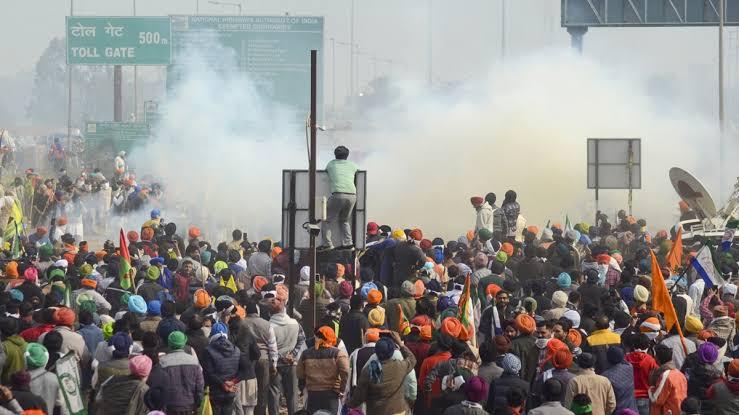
[(662, 302), (675, 257)]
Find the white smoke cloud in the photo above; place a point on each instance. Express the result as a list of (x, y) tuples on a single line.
[(220, 149)]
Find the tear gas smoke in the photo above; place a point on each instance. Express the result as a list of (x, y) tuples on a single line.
[(219, 149)]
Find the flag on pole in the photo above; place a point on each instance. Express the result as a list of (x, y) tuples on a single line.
[(549, 221), (124, 269), (205, 406), (404, 326), (675, 256), (568, 225), (466, 316), (703, 264), (662, 302), (231, 284)]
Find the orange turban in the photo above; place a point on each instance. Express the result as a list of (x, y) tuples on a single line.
[(533, 229), (11, 270), (575, 337), (706, 334), (147, 234), (470, 235), (420, 289), (201, 298), (372, 335), (340, 270), (492, 289), (64, 317), (133, 236), (325, 337), (89, 282), (562, 359), (258, 282), (451, 326), (374, 297), (465, 334), (276, 251), (193, 232), (61, 221), (426, 333), (416, 234), (507, 248), (525, 324)]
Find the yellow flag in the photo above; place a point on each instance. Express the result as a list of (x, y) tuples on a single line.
[(205, 407)]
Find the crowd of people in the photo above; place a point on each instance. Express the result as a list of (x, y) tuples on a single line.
[(506, 319)]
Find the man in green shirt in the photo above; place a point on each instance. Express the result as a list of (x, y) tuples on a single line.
[(340, 205)]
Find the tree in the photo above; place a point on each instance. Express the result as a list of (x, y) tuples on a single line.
[(92, 93)]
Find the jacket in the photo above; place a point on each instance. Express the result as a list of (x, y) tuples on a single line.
[(725, 328), (289, 336), (621, 376), (428, 364), (551, 408), (220, 363), (123, 395), (92, 336), (484, 218), (150, 290), (254, 329), (597, 344), (597, 387), (111, 368), (259, 263), (150, 324), (324, 369), (71, 341), (351, 327), (14, 348), (465, 408), (529, 269), (408, 258), (498, 391), (669, 392), (725, 397), (387, 396), (500, 222), (525, 348), (197, 340), (700, 378), (643, 364), (591, 294), (182, 381), (44, 384), (511, 211)]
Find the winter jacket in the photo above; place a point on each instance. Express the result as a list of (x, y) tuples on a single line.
[(123, 395), (428, 364), (465, 408), (598, 343), (111, 368), (150, 290), (289, 336), (27, 399), (597, 387), (700, 378), (71, 341), (220, 363), (500, 222), (511, 211), (529, 269), (45, 385), (324, 369), (524, 347), (551, 408), (498, 391), (408, 258), (642, 364), (150, 324), (254, 329), (420, 350), (260, 263), (14, 348), (351, 327), (670, 389), (92, 336), (388, 396), (197, 340), (621, 376), (484, 218), (182, 381), (725, 397)]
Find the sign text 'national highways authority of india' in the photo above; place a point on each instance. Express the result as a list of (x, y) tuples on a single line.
[(108, 130), (118, 40)]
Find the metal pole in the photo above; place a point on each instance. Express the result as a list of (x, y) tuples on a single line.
[(239, 5), (502, 29), (351, 55), (721, 119), (69, 91), (597, 207), (197, 7), (429, 46), (333, 77), (135, 82), (117, 98), (312, 181), (630, 165)]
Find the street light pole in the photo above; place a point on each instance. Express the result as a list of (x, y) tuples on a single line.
[(429, 58), (721, 115), (333, 77), (351, 53)]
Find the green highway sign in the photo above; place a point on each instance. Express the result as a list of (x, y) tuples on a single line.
[(274, 52), (118, 40), (108, 130)]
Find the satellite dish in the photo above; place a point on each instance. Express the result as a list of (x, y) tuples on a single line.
[(693, 193)]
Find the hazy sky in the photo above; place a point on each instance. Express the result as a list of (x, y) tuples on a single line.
[(466, 36)]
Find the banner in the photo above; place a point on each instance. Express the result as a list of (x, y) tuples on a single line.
[(67, 372)]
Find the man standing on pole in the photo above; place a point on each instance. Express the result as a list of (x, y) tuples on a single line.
[(341, 174)]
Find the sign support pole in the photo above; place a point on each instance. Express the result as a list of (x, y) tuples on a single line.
[(597, 208), (117, 99), (69, 90), (312, 184), (629, 167)]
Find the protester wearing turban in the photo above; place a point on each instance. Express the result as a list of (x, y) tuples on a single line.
[(524, 346), (376, 317), (374, 297), (137, 304), (42, 383), (723, 394), (323, 377), (405, 303)]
